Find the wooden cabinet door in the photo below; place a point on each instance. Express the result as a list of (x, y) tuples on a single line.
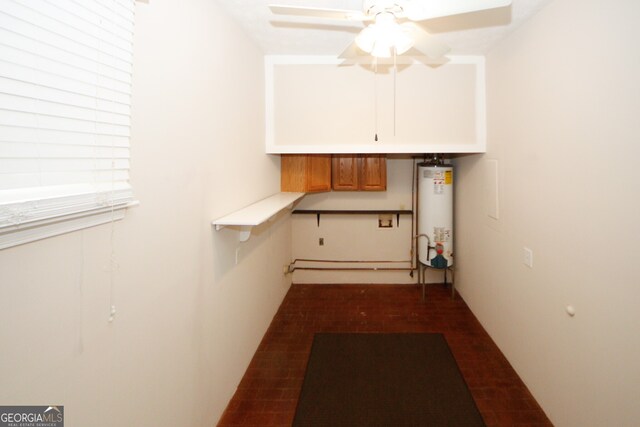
[(293, 174), (344, 172), (318, 172), (359, 172), (305, 172), (373, 172)]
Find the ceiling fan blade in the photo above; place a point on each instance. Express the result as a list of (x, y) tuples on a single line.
[(425, 43), (353, 55), (350, 52), (403, 61), (418, 10), (316, 12), (430, 61), (348, 62), (353, 51)]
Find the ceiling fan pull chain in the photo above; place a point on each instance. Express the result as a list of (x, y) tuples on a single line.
[(375, 97), (395, 72)]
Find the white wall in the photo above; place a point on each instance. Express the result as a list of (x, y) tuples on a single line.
[(188, 318), (563, 108)]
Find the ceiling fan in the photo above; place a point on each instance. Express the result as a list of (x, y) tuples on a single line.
[(391, 27)]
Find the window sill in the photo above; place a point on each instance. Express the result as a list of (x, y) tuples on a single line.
[(30, 232)]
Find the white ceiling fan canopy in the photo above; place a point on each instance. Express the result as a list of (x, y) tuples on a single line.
[(374, 7)]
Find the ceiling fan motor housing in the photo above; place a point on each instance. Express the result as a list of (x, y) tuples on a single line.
[(374, 7)]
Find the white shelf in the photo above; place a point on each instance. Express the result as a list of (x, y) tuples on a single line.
[(257, 213)]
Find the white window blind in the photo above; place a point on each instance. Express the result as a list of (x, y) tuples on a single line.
[(65, 89)]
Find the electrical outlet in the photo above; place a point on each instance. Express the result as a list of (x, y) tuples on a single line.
[(527, 257), (321, 241)]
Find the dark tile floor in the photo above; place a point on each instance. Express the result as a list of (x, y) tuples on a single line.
[(268, 393)]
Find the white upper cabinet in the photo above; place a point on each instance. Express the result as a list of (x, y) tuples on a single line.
[(313, 105)]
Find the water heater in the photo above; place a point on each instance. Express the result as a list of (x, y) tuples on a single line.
[(435, 214)]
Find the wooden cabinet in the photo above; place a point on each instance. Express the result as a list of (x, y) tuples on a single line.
[(373, 172), (344, 172), (311, 173), (359, 172), (307, 173), (440, 109)]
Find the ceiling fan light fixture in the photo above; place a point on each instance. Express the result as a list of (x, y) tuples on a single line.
[(366, 40), (402, 41), (385, 36), (381, 50)]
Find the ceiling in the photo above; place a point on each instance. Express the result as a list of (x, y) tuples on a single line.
[(468, 34)]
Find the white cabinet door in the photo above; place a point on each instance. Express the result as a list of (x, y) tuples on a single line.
[(313, 105)]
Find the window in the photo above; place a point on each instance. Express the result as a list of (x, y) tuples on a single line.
[(65, 89)]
